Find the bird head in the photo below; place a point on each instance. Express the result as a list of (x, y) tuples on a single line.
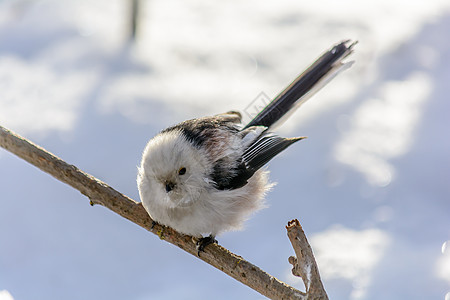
[(173, 171)]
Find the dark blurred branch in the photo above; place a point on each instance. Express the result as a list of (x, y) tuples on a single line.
[(135, 5), (100, 193)]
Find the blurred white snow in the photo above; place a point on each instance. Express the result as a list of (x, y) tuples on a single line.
[(350, 254), (375, 165), (5, 295), (383, 128)]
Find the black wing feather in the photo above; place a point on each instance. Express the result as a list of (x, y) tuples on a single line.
[(264, 149), (259, 153)]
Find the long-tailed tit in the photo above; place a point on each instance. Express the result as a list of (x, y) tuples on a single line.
[(204, 176)]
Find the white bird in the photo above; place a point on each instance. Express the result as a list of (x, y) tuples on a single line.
[(204, 176)]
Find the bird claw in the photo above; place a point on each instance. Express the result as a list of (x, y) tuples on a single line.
[(203, 242), (153, 225)]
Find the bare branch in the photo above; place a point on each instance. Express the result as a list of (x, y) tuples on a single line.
[(101, 193), (304, 265)]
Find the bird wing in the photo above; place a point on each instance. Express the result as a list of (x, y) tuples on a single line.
[(264, 148), (257, 153)]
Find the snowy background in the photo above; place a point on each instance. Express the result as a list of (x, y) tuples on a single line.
[(371, 184)]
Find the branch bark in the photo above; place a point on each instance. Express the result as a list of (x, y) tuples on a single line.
[(100, 193), (304, 265)]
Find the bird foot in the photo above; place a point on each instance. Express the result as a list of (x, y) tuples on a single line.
[(203, 242)]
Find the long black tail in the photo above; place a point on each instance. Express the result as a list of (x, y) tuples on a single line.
[(305, 85)]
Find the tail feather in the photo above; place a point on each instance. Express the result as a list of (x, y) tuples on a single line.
[(305, 85)]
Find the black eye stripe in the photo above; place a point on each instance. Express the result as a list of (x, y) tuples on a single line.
[(182, 171)]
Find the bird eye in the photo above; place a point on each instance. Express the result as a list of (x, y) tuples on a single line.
[(182, 171)]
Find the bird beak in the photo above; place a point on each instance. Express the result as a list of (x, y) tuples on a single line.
[(169, 186)]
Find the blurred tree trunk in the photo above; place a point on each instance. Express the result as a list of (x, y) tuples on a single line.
[(134, 18)]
